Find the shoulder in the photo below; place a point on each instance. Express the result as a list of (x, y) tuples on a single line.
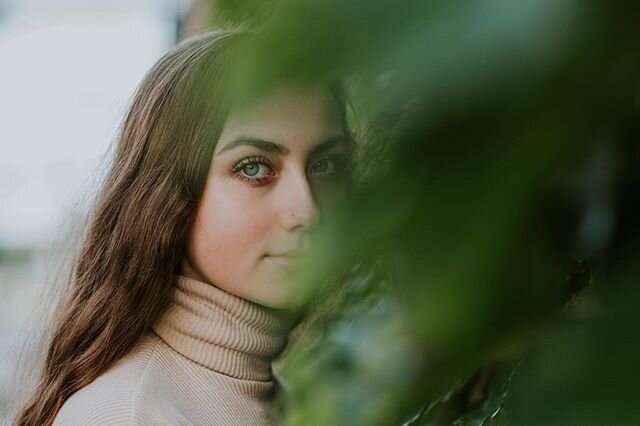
[(114, 397)]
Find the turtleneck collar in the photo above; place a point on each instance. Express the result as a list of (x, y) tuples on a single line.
[(222, 331)]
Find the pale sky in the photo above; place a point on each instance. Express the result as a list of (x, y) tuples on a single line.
[(67, 71)]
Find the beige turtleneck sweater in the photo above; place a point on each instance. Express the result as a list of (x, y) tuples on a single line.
[(206, 361)]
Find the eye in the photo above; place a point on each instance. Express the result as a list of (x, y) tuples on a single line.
[(253, 169), (328, 165)]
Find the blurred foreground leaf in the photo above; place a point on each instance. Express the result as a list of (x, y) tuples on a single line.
[(505, 152)]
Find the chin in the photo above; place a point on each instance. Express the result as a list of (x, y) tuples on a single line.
[(277, 294), (274, 298)]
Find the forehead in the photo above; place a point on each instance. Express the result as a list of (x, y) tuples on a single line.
[(295, 117)]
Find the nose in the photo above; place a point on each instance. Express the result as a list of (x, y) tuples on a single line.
[(300, 210)]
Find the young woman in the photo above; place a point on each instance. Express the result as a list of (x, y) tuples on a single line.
[(179, 302)]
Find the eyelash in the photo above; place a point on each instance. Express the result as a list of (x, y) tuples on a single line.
[(237, 168)]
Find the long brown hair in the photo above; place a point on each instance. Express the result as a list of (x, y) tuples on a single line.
[(134, 241), (135, 238)]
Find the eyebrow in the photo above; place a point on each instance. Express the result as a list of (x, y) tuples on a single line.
[(278, 149)]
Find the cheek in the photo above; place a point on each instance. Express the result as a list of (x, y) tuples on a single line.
[(229, 233)]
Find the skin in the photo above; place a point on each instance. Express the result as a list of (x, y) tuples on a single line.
[(247, 217)]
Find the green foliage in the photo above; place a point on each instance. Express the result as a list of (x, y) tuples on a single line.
[(497, 224)]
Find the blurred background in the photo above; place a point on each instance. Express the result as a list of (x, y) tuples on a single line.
[(67, 71), (490, 256)]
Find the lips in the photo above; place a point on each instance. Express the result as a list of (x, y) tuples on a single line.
[(287, 259), (291, 254)]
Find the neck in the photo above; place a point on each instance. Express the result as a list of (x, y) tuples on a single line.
[(222, 331)]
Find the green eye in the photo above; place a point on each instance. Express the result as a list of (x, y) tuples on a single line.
[(251, 169), (254, 169)]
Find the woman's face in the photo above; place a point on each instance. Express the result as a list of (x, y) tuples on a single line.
[(277, 168)]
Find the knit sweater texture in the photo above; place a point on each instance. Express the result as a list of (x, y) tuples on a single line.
[(206, 361)]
